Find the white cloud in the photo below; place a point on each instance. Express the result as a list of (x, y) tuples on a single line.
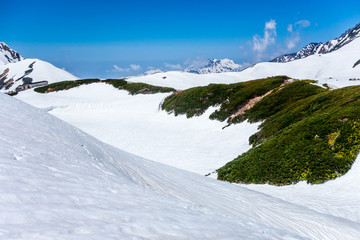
[(271, 25), (135, 67), (197, 62), (173, 66), (119, 69), (260, 44), (303, 23), (293, 41), (153, 71), (290, 28), (294, 29)]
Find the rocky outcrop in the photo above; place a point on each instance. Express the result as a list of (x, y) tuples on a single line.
[(8, 55)]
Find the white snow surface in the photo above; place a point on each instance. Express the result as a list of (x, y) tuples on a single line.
[(42, 71), (334, 69), (137, 125), (60, 183), (184, 80), (339, 197)]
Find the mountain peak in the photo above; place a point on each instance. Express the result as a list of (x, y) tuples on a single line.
[(8, 55), (215, 66), (322, 48)]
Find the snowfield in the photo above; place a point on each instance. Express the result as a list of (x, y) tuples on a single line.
[(60, 183), (184, 80), (339, 197), (137, 125)]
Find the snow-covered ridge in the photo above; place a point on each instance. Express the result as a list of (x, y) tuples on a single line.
[(13, 75), (322, 48), (60, 183), (306, 51), (334, 68), (17, 73), (216, 66), (8, 55)]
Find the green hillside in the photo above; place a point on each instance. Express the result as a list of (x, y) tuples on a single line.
[(230, 97), (314, 139), (308, 132), (132, 88)]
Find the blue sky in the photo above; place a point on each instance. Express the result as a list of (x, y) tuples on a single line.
[(121, 38)]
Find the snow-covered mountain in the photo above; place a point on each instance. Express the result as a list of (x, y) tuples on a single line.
[(30, 71), (215, 66), (306, 51), (322, 48), (59, 182), (335, 68), (17, 73), (8, 55)]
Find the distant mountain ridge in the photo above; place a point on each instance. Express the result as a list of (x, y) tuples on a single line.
[(322, 48), (8, 55), (216, 66)]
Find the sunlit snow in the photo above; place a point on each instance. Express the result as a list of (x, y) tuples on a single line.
[(60, 183), (137, 124)]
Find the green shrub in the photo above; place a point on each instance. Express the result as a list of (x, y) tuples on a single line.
[(117, 83), (132, 88), (309, 81), (230, 97), (12, 93), (314, 139), (281, 99), (326, 86), (138, 88), (64, 85)]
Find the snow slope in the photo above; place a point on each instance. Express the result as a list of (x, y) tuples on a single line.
[(185, 80), (34, 68), (134, 123), (335, 69), (339, 197), (137, 125), (60, 183)]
